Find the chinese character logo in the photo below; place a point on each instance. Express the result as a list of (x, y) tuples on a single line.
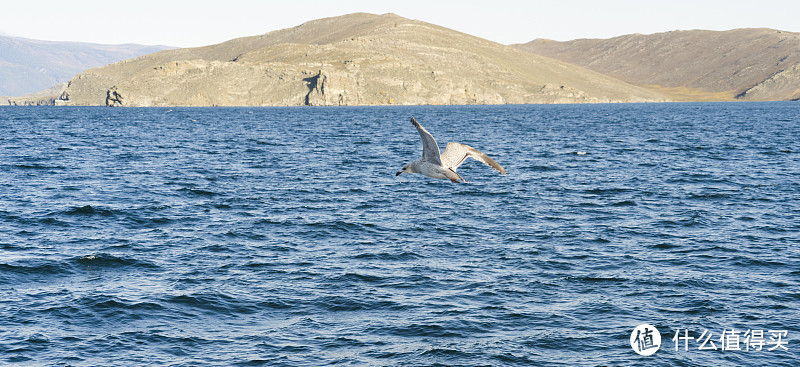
[(733, 340), (645, 340)]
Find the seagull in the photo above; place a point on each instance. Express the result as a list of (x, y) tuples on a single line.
[(432, 164)]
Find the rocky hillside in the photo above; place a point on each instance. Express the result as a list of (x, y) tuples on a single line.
[(29, 66), (356, 59), (745, 64)]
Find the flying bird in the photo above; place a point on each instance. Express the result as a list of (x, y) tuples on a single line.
[(433, 164)]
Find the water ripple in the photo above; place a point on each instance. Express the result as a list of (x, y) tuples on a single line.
[(281, 237)]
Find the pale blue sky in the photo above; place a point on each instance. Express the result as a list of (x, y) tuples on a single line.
[(187, 23)]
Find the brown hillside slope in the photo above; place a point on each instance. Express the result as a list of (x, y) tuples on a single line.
[(692, 65), (356, 59)]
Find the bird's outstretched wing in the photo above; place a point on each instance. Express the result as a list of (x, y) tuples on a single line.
[(430, 151), (456, 153)]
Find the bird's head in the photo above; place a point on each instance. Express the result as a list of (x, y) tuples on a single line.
[(406, 169)]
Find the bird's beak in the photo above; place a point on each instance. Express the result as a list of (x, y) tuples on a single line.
[(398, 173)]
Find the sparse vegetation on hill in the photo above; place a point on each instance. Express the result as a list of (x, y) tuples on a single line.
[(356, 59), (741, 64)]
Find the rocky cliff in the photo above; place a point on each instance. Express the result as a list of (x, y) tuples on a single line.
[(749, 64), (784, 84), (356, 59)]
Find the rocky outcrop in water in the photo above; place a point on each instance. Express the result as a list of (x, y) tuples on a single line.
[(49, 97), (113, 98)]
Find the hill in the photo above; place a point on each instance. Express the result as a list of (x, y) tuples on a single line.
[(29, 66), (740, 64), (355, 59)]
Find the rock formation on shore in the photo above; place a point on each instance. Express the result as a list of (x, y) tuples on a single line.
[(47, 97), (29, 66), (741, 64), (356, 59)]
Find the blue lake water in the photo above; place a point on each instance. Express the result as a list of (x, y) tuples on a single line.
[(281, 236)]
